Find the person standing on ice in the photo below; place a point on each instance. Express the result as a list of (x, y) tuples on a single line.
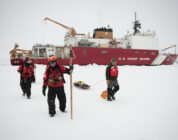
[(53, 78), (27, 76), (111, 79)]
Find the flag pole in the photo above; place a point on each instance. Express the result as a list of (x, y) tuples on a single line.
[(71, 106)]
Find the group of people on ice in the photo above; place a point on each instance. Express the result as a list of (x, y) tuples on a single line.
[(54, 80)]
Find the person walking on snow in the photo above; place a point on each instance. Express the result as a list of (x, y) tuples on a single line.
[(53, 78), (111, 79), (26, 71)]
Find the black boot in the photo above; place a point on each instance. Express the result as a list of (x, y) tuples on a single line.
[(116, 88), (109, 94), (113, 97), (62, 110), (51, 115), (109, 98), (51, 104)]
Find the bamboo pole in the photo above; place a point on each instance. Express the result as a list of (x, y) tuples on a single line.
[(71, 105)]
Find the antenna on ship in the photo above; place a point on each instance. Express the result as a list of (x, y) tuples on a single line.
[(108, 26), (137, 25)]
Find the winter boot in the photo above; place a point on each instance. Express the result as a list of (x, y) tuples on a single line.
[(113, 97), (109, 98), (62, 110), (109, 94), (51, 115), (116, 88), (51, 104)]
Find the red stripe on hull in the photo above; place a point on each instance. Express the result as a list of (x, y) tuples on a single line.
[(170, 59), (102, 56)]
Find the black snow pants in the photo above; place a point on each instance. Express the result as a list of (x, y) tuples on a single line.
[(52, 92), (25, 85), (113, 87)]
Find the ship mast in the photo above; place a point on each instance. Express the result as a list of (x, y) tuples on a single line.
[(137, 25)]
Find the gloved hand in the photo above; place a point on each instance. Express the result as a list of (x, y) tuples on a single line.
[(107, 82), (71, 67), (33, 79), (44, 89)]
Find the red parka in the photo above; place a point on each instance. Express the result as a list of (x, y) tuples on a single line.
[(26, 71), (53, 77), (112, 72)]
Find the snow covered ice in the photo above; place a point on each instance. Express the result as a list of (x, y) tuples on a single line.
[(146, 107)]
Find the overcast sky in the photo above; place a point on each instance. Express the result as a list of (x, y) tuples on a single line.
[(21, 21)]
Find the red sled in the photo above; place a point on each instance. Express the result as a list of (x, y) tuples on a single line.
[(81, 85)]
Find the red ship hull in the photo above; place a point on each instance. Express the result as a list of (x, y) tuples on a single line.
[(102, 56)]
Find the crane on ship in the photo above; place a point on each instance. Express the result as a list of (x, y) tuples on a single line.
[(71, 29), (19, 53)]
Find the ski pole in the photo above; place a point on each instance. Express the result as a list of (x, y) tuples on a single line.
[(71, 110), (35, 73)]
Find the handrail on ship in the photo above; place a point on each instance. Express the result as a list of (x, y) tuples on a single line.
[(169, 48)]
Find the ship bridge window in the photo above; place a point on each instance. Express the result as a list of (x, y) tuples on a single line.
[(42, 52), (35, 52), (104, 52), (50, 49), (128, 47), (153, 53)]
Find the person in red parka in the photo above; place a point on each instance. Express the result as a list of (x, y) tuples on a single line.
[(54, 79), (26, 71), (111, 79)]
